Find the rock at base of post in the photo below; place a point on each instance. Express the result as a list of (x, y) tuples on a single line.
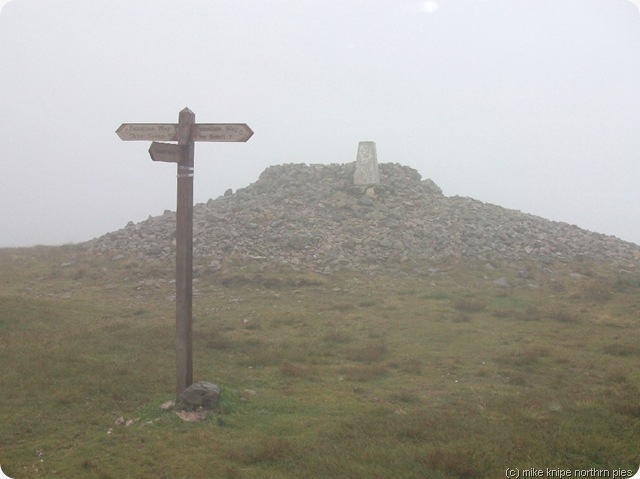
[(199, 395)]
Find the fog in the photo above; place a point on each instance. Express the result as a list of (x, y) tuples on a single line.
[(531, 104)]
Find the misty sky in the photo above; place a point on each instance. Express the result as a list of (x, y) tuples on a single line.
[(529, 104)]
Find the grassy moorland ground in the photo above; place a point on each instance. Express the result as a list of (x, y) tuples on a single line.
[(434, 371)]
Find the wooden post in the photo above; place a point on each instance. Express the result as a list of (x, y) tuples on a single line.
[(184, 254), (186, 132)]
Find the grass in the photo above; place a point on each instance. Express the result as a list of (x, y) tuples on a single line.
[(439, 376), (469, 305)]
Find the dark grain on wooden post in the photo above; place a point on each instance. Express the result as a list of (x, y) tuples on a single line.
[(184, 254)]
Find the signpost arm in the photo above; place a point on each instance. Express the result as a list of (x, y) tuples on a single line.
[(184, 254)]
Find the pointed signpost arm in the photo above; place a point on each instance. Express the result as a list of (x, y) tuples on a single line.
[(184, 254)]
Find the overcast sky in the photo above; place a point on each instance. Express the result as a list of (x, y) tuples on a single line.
[(529, 104)]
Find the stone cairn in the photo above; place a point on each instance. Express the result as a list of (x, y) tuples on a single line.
[(357, 215)]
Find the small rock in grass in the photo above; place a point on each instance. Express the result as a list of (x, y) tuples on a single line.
[(199, 395)]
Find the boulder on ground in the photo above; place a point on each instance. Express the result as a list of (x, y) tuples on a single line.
[(199, 395)]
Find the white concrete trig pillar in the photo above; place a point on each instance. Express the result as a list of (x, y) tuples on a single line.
[(366, 172)]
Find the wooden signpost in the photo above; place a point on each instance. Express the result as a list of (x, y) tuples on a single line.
[(185, 133)]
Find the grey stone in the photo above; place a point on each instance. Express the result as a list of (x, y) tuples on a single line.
[(502, 282), (199, 395), (431, 187), (365, 201)]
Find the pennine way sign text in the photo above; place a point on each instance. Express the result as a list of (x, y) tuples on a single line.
[(239, 132), (148, 132), (218, 132)]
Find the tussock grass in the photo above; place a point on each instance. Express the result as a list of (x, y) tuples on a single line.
[(342, 307), (531, 313), (268, 450), (461, 318), (563, 315), (622, 349), (597, 291), (296, 370), (469, 305), (340, 337), (368, 353), (410, 365), (631, 409), (363, 373), (524, 357), (433, 375), (367, 303)]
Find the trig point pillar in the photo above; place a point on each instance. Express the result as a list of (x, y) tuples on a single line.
[(366, 165)]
